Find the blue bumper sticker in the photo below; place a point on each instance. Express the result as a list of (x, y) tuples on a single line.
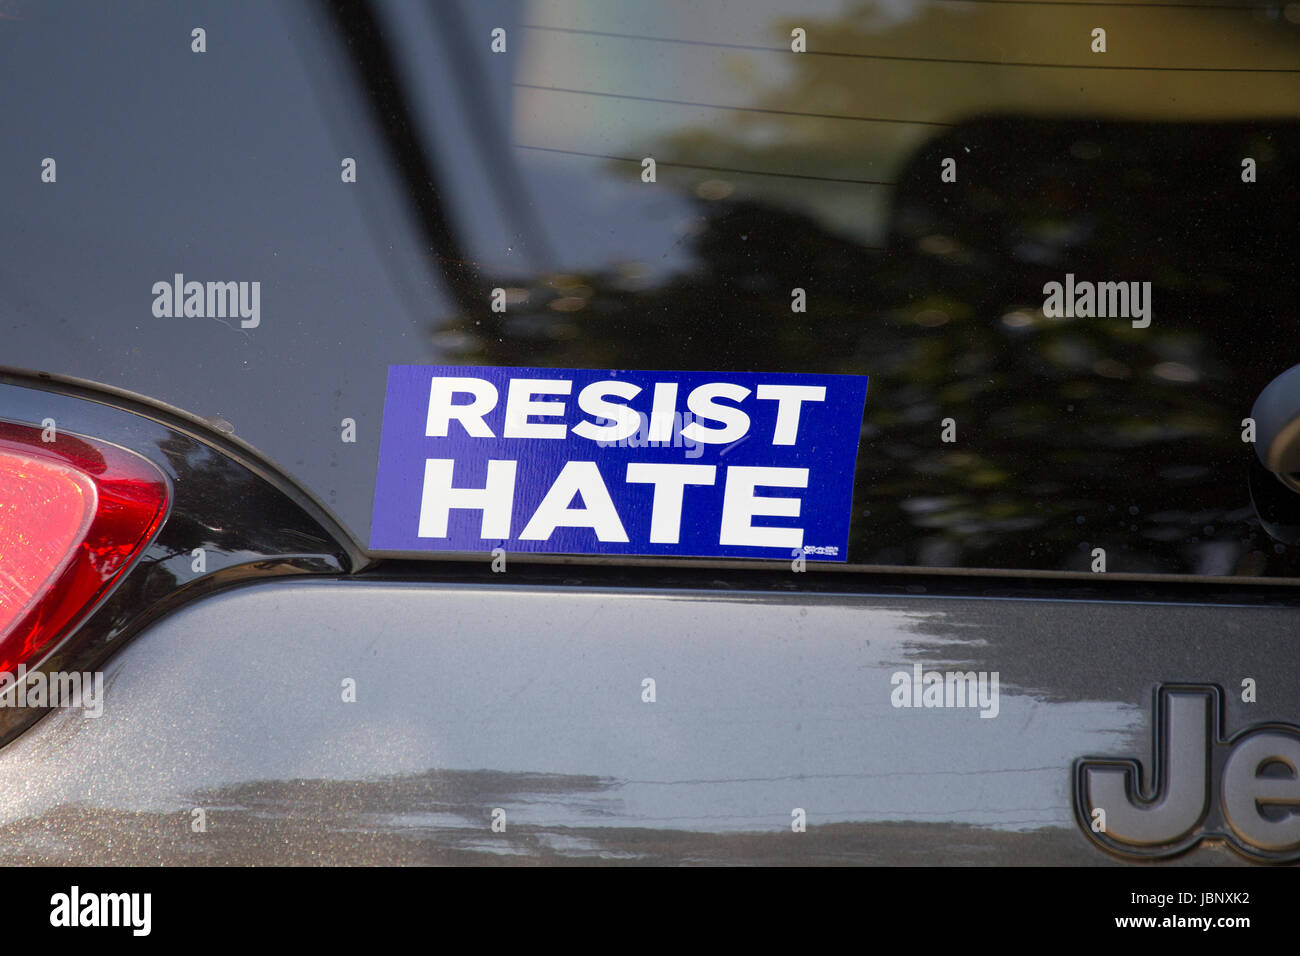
[(575, 461)]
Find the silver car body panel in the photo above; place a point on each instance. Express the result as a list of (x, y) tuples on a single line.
[(529, 700)]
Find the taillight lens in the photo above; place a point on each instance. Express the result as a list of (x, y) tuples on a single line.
[(74, 513)]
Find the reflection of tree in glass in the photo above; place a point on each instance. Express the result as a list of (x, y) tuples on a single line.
[(1072, 433)]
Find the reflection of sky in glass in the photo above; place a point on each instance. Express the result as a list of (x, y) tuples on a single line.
[(220, 166), (577, 91)]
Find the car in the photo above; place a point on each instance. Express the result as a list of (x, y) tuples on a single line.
[(685, 433)]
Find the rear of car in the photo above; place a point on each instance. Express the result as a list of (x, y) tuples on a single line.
[(1043, 277)]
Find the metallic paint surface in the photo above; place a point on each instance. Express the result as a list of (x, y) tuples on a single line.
[(475, 697)]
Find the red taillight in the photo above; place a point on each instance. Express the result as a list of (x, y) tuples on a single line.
[(74, 513)]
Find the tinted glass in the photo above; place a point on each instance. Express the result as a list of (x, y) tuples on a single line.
[(776, 170)]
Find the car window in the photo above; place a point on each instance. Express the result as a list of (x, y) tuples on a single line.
[(1057, 237)]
